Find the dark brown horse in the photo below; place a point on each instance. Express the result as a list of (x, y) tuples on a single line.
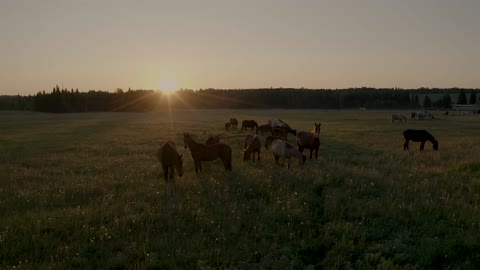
[(270, 139), (419, 136), (170, 159), (264, 128), (212, 140), (233, 122), (283, 132), (252, 144), (309, 140), (249, 124), (201, 152)]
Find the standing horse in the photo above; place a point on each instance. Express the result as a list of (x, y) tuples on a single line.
[(399, 116), (264, 128), (251, 146), (170, 159), (285, 150), (249, 124), (201, 152), (233, 122), (309, 140), (418, 136)]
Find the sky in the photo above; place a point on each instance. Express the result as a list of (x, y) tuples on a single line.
[(110, 44)]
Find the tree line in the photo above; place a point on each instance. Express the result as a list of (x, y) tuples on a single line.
[(69, 101)]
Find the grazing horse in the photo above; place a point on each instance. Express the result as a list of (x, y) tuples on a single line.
[(252, 144), (422, 115), (283, 132), (285, 150), (399, 116), (212, 140), (233, 122), (228, 125), (201, 152), (249, 124), (170, 159), (264, 128), (278, 123), (418, 136), (270, 139), (309, 140)]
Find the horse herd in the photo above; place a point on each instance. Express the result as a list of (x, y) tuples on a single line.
[(213, 149), (277, 142), (415, 115)]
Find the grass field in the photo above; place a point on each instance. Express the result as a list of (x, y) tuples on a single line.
[(83, 191)]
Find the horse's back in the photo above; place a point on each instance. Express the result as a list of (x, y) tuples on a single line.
[(212, 140), (281, 148), (167, 151), (416, 135)]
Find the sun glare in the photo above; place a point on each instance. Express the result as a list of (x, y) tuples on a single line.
[(168, 85)]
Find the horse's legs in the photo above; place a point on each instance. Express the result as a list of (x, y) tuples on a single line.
[(311, 152), (316, 154), (405, 146), (172, 172), (196, 166), (422, 145), (200, 165), (275, 159), (258, 155), (165, 173)]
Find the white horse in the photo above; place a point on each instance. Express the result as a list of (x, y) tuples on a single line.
[(422, 115), (285, 150), (399, 116)]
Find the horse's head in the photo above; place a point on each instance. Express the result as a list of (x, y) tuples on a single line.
[(316, 131), (435, 145), (246, 154)]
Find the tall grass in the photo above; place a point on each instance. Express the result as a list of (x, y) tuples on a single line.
[(85, 191)]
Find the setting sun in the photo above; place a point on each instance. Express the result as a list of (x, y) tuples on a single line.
[(168, 85)]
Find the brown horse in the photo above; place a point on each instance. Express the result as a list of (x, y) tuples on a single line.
[(283, 132), (170, 159), (201, 152), (212, 140), (252, 144), (264, 128), (270, 139), (309, 140), (249, 124), (233, 122)]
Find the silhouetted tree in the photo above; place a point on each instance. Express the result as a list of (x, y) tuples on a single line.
[(462, 97), (427, 103), (473, 97)]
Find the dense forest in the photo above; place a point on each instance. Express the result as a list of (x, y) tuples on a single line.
[(68, 101)]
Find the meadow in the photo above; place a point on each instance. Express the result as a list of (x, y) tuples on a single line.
[(85, 191)]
